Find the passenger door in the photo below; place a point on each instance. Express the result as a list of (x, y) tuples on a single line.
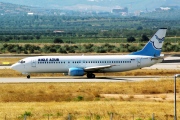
[(33, 63), (138, 62)]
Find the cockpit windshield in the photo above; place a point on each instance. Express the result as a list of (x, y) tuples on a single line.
[(21, 61)]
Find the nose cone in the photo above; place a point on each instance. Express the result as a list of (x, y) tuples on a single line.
[(16, 67)]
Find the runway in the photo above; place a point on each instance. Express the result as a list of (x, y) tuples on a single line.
[(79, 79)]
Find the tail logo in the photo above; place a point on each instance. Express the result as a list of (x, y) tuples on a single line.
[(157, 42), (160, 39)]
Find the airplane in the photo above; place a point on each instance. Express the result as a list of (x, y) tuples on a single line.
[(149, 55)]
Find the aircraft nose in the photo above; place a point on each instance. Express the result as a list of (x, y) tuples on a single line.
[(15, 67)]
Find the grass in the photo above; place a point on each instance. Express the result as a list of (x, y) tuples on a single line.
[(58, 92), (84, 101), (10, 60), (88, 110)]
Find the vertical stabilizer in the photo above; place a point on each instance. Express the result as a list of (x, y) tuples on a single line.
[(154, 46)]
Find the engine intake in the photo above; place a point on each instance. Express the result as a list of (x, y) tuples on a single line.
[(76, 72)]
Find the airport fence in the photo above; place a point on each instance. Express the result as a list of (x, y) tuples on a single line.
[(75, 116)]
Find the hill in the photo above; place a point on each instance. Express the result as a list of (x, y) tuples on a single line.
[(95, 4), (8, 8)]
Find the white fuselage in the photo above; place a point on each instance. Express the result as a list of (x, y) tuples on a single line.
[(61, 64)]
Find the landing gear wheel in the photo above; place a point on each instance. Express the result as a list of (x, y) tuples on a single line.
[(90, 75), (28, 76), (93, 76)]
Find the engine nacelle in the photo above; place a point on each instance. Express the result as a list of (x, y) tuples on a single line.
[(76, 72)]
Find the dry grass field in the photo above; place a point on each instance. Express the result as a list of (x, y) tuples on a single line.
[(87, 101), (58, 92), (93, 110), (10, 60)]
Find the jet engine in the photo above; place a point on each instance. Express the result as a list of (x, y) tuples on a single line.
[(76, 72)]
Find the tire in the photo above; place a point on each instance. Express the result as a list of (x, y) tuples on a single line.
[(28, 76), (90, 75), (93, 76)]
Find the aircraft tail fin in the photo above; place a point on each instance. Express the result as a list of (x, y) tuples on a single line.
[(154, 46)]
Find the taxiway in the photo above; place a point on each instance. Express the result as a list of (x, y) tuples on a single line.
[(79, 79)]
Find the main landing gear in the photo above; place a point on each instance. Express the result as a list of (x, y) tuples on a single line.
[(28, 76), (91, 75)]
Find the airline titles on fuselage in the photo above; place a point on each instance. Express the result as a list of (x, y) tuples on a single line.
[(48, 60)]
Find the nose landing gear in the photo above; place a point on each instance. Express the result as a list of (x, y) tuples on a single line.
[(28, 76)]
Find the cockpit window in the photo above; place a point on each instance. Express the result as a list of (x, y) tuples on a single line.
[(21, 61)]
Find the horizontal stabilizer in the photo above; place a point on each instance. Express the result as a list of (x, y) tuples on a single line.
[(157, 58), (161, 57)]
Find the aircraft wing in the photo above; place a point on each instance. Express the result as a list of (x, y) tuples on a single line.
[(97, 68)]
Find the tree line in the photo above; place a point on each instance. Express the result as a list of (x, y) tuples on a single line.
[(101, 37), (84, 48)]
